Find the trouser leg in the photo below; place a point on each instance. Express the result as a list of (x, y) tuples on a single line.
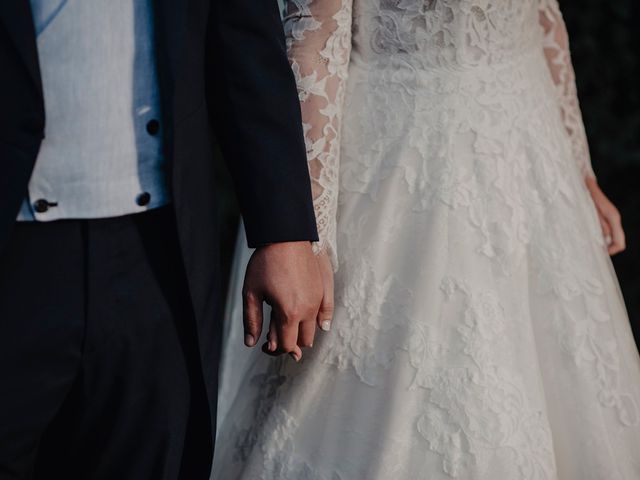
[(42, 282), (138, 407), (100, 369)]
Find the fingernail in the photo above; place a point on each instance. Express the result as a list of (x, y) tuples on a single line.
[(272, 346), (295, 356), (249, 341), (326, 325), (608, 239)]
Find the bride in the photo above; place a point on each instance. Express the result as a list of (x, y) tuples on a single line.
[(479, 331)]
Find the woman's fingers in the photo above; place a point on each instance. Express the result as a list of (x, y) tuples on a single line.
[(325, 314), (609, 218), (618, 240), (606, 229)]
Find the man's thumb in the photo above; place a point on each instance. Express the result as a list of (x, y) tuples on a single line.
[(252, 318)]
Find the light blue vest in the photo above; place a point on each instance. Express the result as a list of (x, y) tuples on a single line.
[(102, 152)]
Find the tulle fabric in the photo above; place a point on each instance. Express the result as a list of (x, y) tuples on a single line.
[(479, 329)]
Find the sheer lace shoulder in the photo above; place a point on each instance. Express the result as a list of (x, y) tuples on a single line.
[(556, 49), (319, 44)]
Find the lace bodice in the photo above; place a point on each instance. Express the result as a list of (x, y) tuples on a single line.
[(457, 35), (445, 33)]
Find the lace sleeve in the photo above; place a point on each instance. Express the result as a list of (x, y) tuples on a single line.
[(556, 49), (318, 36)]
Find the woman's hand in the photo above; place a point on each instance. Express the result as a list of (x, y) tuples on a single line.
[(609, 218)]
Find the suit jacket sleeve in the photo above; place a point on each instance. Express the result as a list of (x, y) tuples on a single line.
[(253, 100)]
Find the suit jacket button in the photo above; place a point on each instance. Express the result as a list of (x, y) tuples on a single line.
[(41, 205), (143, 199)]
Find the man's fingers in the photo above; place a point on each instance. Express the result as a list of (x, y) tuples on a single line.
[(274, 346), (287, 329), (252, 318), (306, 333), (296, 354), (288, 278), (272, 337)]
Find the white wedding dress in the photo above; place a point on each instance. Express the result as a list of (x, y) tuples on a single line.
[(479, 330)]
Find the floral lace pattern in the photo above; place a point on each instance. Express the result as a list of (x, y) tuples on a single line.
[(449, 34), (481, 405), (556, 48), (319, 41), (446, 33), (479, 331)]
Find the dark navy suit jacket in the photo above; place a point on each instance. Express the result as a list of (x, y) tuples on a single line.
[(223, 75)]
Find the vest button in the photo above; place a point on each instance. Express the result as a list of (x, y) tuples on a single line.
[(41, 205), (143, 199), (153, 127)]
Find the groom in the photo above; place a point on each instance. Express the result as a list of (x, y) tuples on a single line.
[(108, 249)]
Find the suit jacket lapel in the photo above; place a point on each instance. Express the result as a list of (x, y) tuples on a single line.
[(17, 19), (170, 21)]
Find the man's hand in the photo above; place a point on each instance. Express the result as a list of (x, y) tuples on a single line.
[(287, 277)]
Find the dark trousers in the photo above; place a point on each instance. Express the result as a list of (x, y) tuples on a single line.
[(100, 376)]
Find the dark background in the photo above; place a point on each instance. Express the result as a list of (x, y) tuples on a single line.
[(605, 45)]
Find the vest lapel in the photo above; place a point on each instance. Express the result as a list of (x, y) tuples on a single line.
[(15, 16)]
